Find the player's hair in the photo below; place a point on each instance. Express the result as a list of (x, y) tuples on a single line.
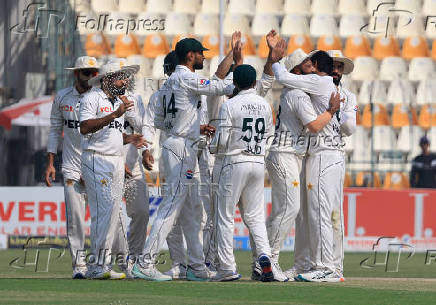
[(324, 62)]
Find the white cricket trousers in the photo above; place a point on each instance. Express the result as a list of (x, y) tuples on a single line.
[(325, 179), (137, 207), (180, 191), (241, 179), (75, 209), (104, 181), (285, 173)]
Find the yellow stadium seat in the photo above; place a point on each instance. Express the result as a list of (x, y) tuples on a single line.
[(300, 42), (380, 116), (211, 42), (97, 45), (155, 45), (248, 49), (400, 116), (326, 43), (357, 46), (415, 47), (396, 181), (427, 116), (385, 47), (126, 45), (364, 179), (348, 181), (179, 37)]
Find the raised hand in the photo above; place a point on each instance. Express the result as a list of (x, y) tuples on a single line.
[(272, 39), (147, 160), (278, 52), (236, 36)]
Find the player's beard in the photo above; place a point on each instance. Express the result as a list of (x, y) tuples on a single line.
[(117, 91), (198, 65), (84, 84), (336, 78)]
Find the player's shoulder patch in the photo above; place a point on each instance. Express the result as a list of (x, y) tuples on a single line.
[(64, 92), (204, 82), (356, 108)]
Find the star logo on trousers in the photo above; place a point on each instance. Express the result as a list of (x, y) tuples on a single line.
[(103, 181), (295, 183), (310, 186)]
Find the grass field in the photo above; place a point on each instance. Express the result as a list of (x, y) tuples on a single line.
[(414, 283)]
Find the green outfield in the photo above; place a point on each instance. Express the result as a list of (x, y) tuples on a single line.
[(414, 283)]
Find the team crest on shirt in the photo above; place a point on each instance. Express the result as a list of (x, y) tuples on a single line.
[(103, 181), (356, 108), (189, 174), (204, 82)]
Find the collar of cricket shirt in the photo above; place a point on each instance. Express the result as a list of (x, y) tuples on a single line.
[(247, 91)]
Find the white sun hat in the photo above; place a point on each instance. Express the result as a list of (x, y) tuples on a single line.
[(84, 62), (338, 56), (113, 66), (295, 59)]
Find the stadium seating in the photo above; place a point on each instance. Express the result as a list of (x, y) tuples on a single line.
[(415, 46), (111, 29), (427, 116), (186, 6), (326, 43), (400, 91), (206, 24), (348, 180), (243, 7), (131, 6), (429, 8), (211, 6), (384, 138), (104, 6), (357, 46), (396, 181), (410, 26), (151, 23), (294, 24), (400, 116), (262, 49), (177, 23), (379, 7), (365, 179), (385, 47), (432, 137), (413, 6), (352, 7), (372, 91), (126, 45), (159, 6), (380, 26), (269, 6), (297, 6), (351, 25), (426, 93), (145, 64), (300, 42), (263, 23), (430, 31), (233, 22), (211, 42), (97, 45), (408, 139), (323, 25), (324, 7), (158, 71), (155, 45), (392, 68), (421, 68), (380, 116)]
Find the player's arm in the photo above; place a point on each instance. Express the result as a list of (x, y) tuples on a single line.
[(235, 55), (309, 83), (153, 118), (348, 116), (88, 111), (54, 137), (306, 112), (269, 130), (267, 80), (135, 114), (414, 173), (222, 134)]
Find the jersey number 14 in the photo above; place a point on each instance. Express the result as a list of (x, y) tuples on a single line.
[(171, 108)]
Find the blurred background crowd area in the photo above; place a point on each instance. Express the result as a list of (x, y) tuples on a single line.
[(392, 43)]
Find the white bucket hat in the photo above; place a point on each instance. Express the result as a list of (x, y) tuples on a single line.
[(338, 56), (113, 66), (295, 59), (84, 62)]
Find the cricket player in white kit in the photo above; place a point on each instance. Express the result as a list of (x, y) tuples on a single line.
[(65, 118), (245, 126), (101, 124), (324, 164), (181, 103), (285, 159), (347, 120)]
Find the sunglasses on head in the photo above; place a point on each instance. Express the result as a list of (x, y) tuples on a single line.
[(88, 72)]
